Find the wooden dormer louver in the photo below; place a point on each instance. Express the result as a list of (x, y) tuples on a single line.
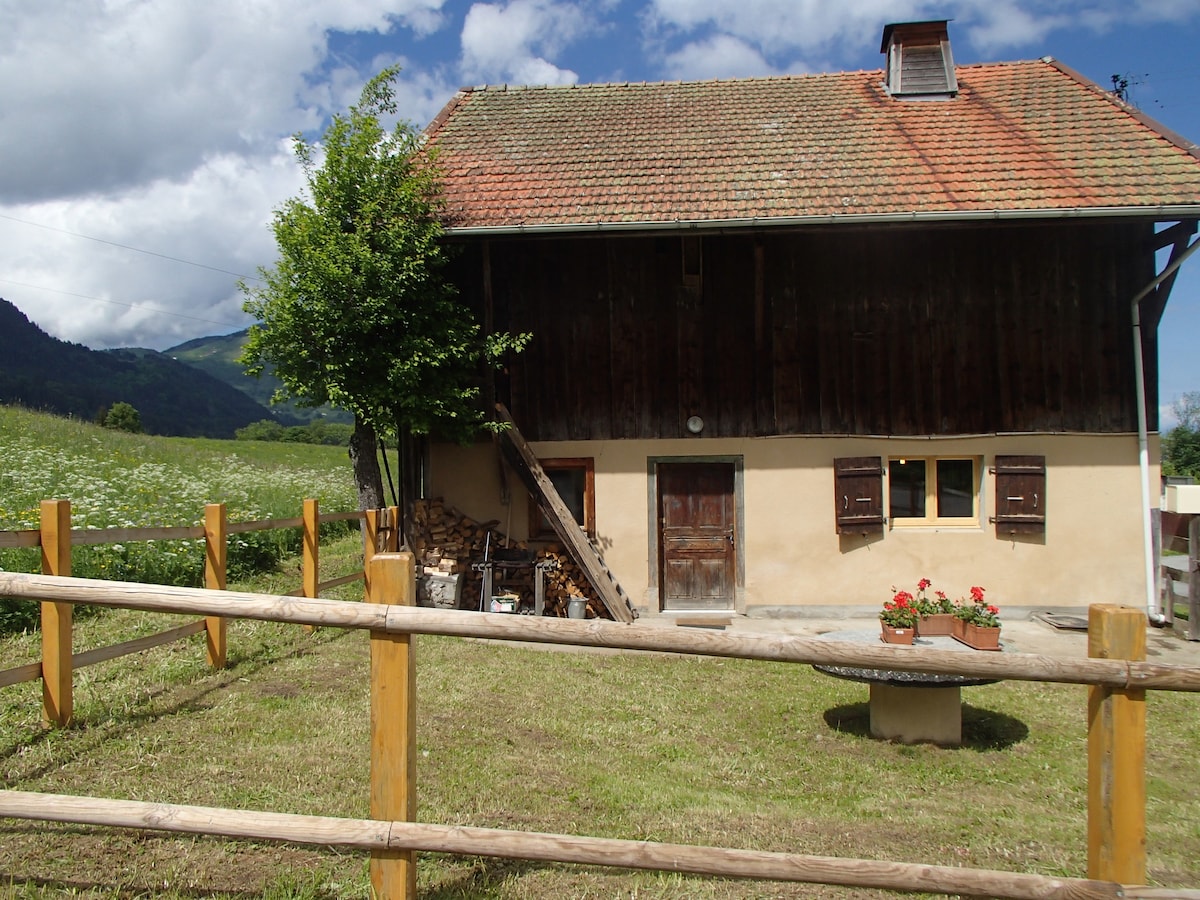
[(919, 62)]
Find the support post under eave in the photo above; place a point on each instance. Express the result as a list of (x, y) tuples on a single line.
[(1166, 278)]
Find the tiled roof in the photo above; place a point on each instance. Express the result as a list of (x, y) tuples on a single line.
[(1019, 136)]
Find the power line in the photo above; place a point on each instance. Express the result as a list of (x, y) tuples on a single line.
[(88, 237), (145, 306)]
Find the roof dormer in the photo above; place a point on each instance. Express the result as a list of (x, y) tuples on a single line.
[(919, 64)]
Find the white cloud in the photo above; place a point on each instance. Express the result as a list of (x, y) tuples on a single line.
[(510, 42), (113, 94), (106, 295), (821, 29), (162, 126), (719, 56), (786, 26)]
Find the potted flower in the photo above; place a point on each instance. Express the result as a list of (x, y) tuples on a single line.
[(979, 622), (898, 619), (936, 614)]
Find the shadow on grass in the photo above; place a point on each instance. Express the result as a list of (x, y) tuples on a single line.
[(482, 875), (192, 697), (19, 886), (982, 729)]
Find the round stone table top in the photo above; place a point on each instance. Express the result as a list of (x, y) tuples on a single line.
[(899, 678)]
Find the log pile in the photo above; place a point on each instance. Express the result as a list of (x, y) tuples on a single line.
[(447, 542)]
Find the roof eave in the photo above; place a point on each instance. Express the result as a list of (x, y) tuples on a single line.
[(1162, 213)]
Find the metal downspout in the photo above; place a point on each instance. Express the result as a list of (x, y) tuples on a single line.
[(1153, 612)]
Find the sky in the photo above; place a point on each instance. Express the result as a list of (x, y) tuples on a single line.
[(144, 144)]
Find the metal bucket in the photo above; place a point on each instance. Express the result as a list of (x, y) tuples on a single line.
[(576, 607)]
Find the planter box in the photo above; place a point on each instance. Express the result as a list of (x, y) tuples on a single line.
[(890, 635), (937, 624), (979, 637)]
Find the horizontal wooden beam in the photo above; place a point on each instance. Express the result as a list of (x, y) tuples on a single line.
[(82, 537), (12, 540), (137, 645), (343, 516), (369, 834), (21, 674), (263, 525), (338, 582), (602, 633)]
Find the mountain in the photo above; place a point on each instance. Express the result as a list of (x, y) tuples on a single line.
[(43, 373), (218, 357)]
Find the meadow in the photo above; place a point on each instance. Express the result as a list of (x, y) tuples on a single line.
[(736, 753), (119, 480)]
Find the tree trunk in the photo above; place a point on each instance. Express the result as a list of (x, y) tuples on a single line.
[(365, 459)]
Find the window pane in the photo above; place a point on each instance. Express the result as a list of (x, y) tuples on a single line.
[(955, 488), (570, 485), (906, 480)]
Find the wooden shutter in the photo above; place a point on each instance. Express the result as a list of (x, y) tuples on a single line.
[(858, 494), (1020, 495)]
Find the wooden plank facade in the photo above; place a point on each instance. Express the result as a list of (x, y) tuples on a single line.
[(907, 330)]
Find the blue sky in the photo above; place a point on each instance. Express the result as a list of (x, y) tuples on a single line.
[(145, 143)]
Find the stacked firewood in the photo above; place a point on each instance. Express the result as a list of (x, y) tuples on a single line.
[(448, 542)]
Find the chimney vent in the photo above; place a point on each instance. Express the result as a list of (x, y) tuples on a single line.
[(919, 64)]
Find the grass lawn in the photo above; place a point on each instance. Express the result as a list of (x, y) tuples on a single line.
[(733, 753)]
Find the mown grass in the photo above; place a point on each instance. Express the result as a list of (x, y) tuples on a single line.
[(666, 748)]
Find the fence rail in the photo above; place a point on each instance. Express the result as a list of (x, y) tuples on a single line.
[(1181, 573), (1116, 740), (56, 539), (375, 835)]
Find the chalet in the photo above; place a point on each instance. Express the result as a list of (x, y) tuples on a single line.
[(798, 340)]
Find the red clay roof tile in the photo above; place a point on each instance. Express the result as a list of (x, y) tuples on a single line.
[(1029, 135)]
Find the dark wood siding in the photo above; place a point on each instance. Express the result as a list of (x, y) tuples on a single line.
[(888, 330)]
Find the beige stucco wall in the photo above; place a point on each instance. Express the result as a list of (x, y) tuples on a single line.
[(795, 562)]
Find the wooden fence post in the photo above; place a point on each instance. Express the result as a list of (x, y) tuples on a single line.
[(216, 548), (1116, 752), (381, 532), (58, 704), (1193, 626), (311, 570), (392, 579)]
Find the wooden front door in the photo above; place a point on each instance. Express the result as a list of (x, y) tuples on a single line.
[(697, 553)]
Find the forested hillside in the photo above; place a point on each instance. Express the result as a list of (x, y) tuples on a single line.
[(41, 372)]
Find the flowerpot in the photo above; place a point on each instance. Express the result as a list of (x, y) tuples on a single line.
[(935, 624), (892, 635), (957, 627), (981, 637)]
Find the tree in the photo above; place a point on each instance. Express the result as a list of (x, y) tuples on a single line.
[(1181, 445), (356, 312), (122, 416)]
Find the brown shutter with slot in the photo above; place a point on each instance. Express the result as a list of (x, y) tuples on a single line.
[(858, 494), (1020, 494)]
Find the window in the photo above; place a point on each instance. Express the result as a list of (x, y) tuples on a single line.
[(574, 479), (933, 491)]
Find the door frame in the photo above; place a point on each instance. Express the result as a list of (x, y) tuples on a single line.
[(654, 530)]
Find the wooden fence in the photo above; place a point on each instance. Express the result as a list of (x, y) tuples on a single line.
[(1117, 675), (56, 538), (1181, 573)]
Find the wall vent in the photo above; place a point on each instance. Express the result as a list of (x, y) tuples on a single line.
[(919, 63)]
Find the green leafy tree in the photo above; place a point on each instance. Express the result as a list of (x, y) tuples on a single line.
[(355, 312), (1181, 445), (262, 430), (122, 416)]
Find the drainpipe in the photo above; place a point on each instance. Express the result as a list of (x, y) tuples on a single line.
[(1153, 611)]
